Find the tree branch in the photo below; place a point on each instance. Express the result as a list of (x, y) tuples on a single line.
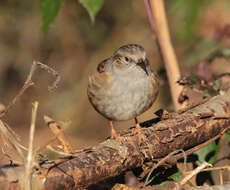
[(111, 158)]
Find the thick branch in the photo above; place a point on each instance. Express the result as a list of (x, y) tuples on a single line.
[(111, 158)]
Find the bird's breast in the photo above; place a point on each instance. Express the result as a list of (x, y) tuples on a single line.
[(126, 98)]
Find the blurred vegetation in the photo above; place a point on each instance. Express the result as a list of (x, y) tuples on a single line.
[(62, 35)]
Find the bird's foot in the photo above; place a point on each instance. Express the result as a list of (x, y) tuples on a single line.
[(137, 130), (116, 136)]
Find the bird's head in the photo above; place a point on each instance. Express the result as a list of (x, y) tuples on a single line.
[(129, 56)]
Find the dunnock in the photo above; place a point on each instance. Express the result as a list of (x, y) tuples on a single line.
[(123, 86)]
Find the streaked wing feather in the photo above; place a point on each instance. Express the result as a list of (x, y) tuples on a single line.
[(101, 66)]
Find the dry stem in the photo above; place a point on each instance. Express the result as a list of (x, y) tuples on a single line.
[(56, 129), (29, 163), (10, 138), (162, 33)]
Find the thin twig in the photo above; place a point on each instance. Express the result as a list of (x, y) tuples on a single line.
[(29, 163), (190, 151), (184, 155), (216, 168), (53, 72), (150, 16), (191, 174), (164, 160), (26, 85), (39, 149), (29, 83)]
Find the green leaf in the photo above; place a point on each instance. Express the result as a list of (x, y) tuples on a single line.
[(92, 6), (50, 10), (205, 153), (176, 176)]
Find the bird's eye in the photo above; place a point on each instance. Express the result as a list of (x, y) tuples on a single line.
[(126, 59)]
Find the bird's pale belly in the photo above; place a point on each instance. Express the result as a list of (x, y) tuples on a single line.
[(127, 103)]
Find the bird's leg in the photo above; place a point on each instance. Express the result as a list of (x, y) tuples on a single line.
[(114, 134), (137, 130)]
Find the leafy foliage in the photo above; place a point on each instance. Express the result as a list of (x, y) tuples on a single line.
[(92, 6), (176, 176), (50, 10)]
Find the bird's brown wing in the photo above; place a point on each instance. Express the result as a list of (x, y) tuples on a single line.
[(101, 66), (98, 85), (100, 81), (155, 81)]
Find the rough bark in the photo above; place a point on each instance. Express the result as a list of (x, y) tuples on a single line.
[(111, 158)]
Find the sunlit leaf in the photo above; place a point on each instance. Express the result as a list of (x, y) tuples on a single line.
[(92, 6), (50, 10)]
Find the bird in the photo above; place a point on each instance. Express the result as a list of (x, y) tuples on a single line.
[(123, 87)]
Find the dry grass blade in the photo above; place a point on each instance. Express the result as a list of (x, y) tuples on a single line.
[(29, 162), (10, 139), (41, 148), (57, 151)]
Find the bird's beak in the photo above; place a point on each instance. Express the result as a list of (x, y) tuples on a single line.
[(143, 64)]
